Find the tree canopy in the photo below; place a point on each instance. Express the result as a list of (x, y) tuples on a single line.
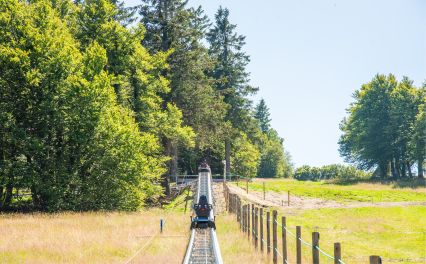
[(384, 129), (96, 111)]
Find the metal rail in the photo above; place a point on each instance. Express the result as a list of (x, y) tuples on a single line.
[(203, 246)]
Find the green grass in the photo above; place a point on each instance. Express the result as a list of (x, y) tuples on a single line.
[(363, 192), (397, 234), (182, 203)]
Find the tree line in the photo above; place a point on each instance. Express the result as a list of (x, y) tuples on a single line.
[(99, 105), (386, 128), (329, 172)]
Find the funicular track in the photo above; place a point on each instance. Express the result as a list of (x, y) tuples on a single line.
[(203, 246)]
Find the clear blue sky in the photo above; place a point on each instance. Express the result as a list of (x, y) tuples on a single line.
[(308, 57)]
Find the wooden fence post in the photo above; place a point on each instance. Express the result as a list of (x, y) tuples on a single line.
[(315, 246), (375, 260), (244, 219), (252, 223), (288, 198), (229, 207), (268, 232), (274, 237), (284, 238), (241, 212), (298, 245), (226, 201), (263, 190), (238, 211), (256, 225), (337, 253), (247, 185), (261, 229), (248, 221), (241, 219)]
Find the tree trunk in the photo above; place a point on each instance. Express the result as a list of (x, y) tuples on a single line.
[(383, 168), (165, 179), (35, 197), (174, 161), (420, 168), (403, 170), (398, 168), (393, 169), (388, 172), (9, 192), (228, 156), (410, 173), (1, 197)]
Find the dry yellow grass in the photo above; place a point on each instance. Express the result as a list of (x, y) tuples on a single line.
[(92, 237), (234, 245), (112, 238)]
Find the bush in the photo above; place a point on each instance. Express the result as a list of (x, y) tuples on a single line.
[(333, 171)]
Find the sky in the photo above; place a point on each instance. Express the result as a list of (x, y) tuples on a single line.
[(308, 58)]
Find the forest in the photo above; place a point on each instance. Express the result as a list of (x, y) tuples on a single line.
[(100, 103)]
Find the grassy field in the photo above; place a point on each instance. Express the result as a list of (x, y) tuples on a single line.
[(92, 237), (361, 192), (235, 247), (113, 237), (397, 234)]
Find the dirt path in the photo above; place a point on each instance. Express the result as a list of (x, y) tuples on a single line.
[(298, 202)]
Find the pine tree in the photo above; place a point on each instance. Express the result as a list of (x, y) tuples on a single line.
[(171, 26), (230, 74), (262, 115)]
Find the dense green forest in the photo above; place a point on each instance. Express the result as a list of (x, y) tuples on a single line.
[(386, 127), (99, 103)]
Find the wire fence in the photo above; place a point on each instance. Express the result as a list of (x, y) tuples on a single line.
[(252, 221)]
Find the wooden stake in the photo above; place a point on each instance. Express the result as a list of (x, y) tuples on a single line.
[(375, 260), (264, 191), (244, 218), (268, 232), (246, 185), (248, 221), (252, 221), (298, 245), (284, 238), (288, 198), (256, 227), (274, 237), (261, 229), (315, 245), (337, 253)]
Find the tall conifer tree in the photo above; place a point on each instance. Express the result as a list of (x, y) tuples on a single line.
[(262, 115), (172, 26), (230, 74)]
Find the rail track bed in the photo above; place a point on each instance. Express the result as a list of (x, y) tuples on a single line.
[(203, 247)]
